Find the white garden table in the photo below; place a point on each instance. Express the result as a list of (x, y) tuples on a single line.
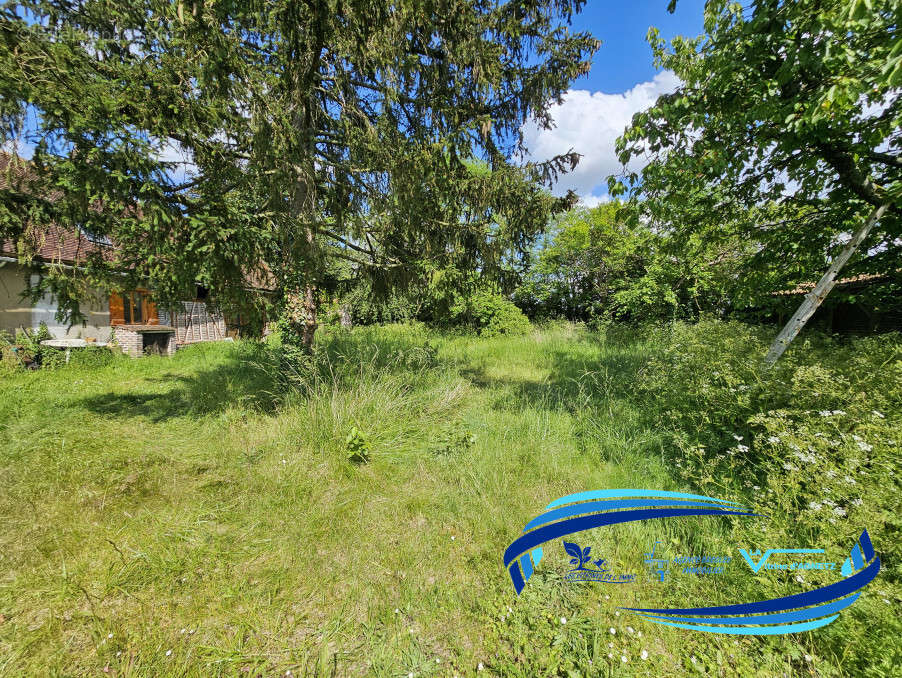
[(69, 344)]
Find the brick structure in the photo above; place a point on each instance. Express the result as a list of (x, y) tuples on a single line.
[(138, 340)]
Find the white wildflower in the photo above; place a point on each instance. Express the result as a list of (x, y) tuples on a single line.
[(839, 510), (838, 412), (807, 657), (612, 631), (168, 652), (825, 413), (623, 658), (563, 620), (644, 654), (738, 438), (629, 629), (479, 666), (773, 439), (864, 447), (877, 414)]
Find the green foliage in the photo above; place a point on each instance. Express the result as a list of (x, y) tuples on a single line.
[(602, 264), (367, 309), (784, 133), (318, 133), (454, 438), (357, 449), (812, 443), (26, 350), (489, 314), (94, 356)]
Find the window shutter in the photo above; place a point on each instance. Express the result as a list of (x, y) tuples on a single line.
[(150, 309), (117, 310)]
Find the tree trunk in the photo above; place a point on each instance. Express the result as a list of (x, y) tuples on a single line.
[(815, 298), (300, 311)]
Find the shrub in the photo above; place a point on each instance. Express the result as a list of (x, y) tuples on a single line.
[(812, 444), (490, 315)]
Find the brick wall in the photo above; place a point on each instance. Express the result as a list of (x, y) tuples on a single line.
[(132, 341)]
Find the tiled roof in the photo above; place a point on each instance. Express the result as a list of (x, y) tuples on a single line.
[(863, 279), (51, 243), (69, 246)]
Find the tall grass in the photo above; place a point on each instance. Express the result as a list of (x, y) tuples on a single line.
[(186, 516)]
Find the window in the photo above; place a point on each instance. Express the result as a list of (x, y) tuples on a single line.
[(132, 308), (94, 238)]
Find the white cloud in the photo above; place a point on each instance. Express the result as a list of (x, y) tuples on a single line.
[(171, 151), (589, 123), (594, 200), (19, 147)]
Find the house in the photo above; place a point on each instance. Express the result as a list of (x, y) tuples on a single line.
[(860, 304), (131, 318)]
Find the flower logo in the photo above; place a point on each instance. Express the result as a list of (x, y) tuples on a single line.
[(580, 557)]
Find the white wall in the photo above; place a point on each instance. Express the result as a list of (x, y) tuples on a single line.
[(14, 312)]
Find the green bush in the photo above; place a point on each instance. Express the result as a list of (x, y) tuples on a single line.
[(812, 444), (490, 315)]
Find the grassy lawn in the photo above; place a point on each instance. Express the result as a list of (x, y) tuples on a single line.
[(173, 517)]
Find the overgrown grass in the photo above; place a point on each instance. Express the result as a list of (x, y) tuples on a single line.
[(172, 517)]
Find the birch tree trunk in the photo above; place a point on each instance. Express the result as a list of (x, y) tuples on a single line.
[(815, 298)]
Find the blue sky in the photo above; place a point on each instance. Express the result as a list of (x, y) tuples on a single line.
[(624, 59), (599, 105), (622, 81)]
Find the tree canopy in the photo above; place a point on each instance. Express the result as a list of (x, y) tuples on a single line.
[(316, 131), (786, 124)]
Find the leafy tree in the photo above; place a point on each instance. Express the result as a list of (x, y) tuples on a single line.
[(791, 105), (318, 131), (602, 262)]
